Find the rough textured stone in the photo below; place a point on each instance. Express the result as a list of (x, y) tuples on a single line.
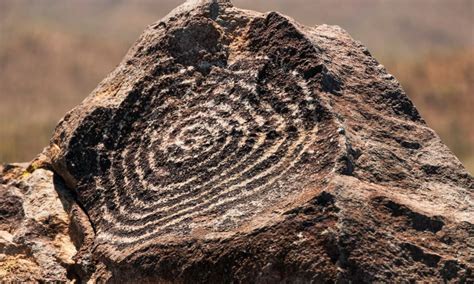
[(233, 146), (35, 244)]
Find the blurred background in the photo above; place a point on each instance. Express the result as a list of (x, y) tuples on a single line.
[(54, 52)]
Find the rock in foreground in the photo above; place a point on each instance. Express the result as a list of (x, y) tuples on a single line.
[(234, 146)]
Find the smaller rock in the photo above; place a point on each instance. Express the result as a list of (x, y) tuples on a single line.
[(34, 228)]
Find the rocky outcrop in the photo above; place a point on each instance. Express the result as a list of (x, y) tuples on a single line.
[(233, 146), (35, 244)]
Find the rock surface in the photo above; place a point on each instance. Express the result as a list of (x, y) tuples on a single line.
[(35, 244), (233, 146)]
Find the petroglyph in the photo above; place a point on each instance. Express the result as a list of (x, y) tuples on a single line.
[(231, 146), (196, 151)]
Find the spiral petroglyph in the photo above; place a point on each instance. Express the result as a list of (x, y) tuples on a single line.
[(223, 152), (223, 129), (231, 146)]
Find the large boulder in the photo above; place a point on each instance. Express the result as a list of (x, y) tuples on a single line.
[(234, 146)]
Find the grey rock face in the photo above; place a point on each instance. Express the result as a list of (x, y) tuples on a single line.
[(233, 146)]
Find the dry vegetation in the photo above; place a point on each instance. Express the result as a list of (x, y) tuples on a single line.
[(53, 53)]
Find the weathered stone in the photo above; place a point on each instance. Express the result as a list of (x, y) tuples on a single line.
[(233, 146), (34, 227)]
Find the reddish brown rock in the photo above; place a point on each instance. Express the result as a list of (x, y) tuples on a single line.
[(233, 146)]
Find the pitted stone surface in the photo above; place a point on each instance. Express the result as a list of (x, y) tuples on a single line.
[(233, 146)]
